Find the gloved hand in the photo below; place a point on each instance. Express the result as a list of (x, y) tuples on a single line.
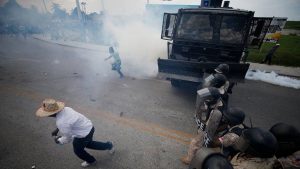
[(56, 139)]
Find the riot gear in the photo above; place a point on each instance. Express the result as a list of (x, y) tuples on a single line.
[(257, 142), (209, 96), (206, 98), (215, 80), (218, 81), (222, 68), (288, 138), (206, 158), (234, 116), (215, 96)]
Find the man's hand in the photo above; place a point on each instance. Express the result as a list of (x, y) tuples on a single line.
[(54, 133), (56, 139)]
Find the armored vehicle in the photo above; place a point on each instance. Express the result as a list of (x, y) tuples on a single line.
[(199, 39)]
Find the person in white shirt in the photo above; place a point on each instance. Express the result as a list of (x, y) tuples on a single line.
[(73, 125)]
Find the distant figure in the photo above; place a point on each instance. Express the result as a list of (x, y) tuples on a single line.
[(22, 31), (268, 57), (116, 65)]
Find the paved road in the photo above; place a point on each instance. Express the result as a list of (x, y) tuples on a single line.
[(150, 122)]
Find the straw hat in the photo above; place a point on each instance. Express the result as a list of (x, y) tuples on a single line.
[(49, 107)]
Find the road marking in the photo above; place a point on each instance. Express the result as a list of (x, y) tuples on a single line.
[(139, 125)]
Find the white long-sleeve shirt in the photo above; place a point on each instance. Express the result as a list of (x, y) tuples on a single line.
[(72, 124)]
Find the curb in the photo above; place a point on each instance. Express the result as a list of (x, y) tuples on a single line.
[(69, 45)]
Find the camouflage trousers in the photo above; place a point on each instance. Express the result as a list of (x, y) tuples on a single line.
[(195, 145), (291, 161), (242, 161)]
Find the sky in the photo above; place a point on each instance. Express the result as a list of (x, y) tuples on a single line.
[(262, 8)]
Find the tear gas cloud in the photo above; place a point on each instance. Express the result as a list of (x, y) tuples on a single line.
[(125, 23), (139, 46), (138, 39)]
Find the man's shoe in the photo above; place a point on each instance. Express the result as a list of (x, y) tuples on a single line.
[(112, 150), (86, 164)]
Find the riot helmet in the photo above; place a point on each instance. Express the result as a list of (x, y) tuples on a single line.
[(257, 142), (218, 81), (206, 158), (222, 68), (288, 138), (209, 96), (111, 50), (234, 116)]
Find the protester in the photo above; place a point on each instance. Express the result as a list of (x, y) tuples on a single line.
[(268, 57), (73, 125), (116, 65)]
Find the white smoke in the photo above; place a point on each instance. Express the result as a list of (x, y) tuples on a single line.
[(273, 78), (139, 45)]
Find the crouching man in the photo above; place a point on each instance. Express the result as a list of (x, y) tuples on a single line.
[(72, 124)]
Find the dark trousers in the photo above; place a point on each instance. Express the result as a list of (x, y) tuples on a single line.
[(87, 142), (268, 59)]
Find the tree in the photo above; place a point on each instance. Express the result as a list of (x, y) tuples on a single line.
[(74, 13), (58, 12)]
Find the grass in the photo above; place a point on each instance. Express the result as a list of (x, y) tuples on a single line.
[(288, 54), (292, 25)]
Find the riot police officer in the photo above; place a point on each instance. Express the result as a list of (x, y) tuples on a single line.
[(207, 113), (211, 122), (224, 70), (257, 150), (219, 81), (288, 152)]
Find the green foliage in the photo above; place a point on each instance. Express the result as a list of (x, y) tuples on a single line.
[(288, 54), (292, 25)]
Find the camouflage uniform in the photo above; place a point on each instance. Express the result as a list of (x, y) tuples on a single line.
[(211, 128), (204, 137), (223, 89), (202, 112), (229, 139), (196, 143), (243, 161), (292, 161)]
